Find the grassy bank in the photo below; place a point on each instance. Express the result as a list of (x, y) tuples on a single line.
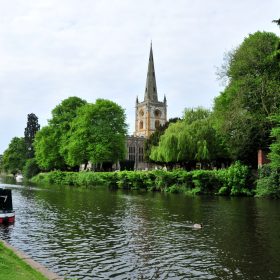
[(234, 181), (12, 267)]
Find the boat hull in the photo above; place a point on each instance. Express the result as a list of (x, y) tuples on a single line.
[(7, 218)]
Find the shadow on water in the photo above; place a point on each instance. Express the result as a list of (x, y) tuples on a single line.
[(99, 233)]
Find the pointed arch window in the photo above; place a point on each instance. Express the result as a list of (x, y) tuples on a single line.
[(157, 124), (141, 125), (157, 113), (141, 112)]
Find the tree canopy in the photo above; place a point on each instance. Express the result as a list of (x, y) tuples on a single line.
[(253, 94), (15, 156), (97, 134), (80, 132), (29, 133), (153, 140), (48, 141), (191, 140)]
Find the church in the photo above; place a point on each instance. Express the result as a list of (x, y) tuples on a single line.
[(149, 115)]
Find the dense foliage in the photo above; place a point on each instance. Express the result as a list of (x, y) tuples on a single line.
[(97, 134), (15, 156), (20, 149), (269, 175), (48, 141), (29, 134), (191, 140), (234, 181), (79, 132), (252, 95), (153, 140)]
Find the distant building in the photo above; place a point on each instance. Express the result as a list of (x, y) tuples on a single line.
[(149, 115)]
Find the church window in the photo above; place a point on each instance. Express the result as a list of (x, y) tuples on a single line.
[(141, 112), (157, 124), (141, 125), (141, 154), (131, 153), (157, 113)]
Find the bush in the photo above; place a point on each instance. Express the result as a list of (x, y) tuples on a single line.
[(268, 182), (30, 168), (235, 180), (231, 181)]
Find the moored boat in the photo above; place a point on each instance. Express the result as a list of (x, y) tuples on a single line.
[(7, 214), (19, 177)]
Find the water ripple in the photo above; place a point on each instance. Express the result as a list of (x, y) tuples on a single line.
[(97, 234)]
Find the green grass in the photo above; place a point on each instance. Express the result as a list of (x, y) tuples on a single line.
[(12, 267)]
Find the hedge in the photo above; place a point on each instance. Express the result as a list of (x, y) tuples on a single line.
[(234, 181)]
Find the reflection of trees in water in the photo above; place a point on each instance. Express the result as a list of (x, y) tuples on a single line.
[(242, 240), (85, 232)]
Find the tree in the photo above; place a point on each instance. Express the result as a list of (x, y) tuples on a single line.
[(268, 183), (153, 140), (47, 145), (277, 21), (30, 168), (274, 154), (252, 94), (97, 134), (49, 141), (15, 156), (189, 141), (29, 133)]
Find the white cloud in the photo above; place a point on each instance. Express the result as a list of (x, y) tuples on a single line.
[(50, 50)]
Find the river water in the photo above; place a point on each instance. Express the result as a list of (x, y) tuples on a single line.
[(106, 234)]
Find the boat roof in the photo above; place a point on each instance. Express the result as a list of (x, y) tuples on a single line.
[(6, 203)]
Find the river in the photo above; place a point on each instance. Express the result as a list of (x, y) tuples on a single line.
[(108, 234)]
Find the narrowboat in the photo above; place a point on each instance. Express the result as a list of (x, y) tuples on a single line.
[(7, 214)]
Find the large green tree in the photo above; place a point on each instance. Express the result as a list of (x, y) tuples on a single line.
[(97, 134), (253, 93), (29, 133), (153, 140), (191, 140), (49, 141), (15, 156), (47, 146)]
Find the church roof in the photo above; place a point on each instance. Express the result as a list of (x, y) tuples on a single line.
[(151, 86)]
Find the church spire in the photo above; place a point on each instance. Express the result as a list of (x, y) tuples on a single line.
[(151, 86)]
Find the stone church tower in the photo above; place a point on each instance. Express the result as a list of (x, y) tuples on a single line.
[(150, 113)]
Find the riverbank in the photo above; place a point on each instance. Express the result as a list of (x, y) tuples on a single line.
[(17, 266), (233, 181)]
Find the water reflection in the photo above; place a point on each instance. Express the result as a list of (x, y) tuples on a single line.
[(101, 234)]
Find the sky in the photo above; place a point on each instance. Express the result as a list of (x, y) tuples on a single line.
[(53, 49)]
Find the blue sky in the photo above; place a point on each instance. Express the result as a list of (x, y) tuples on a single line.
[(50, 50)]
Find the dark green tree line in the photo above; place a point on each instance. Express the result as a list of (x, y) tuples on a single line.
[(252, 95), (21, 149)]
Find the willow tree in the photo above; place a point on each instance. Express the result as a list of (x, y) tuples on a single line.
[(189, 141)]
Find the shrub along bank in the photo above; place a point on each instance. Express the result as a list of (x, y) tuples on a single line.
[(234, 181)]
